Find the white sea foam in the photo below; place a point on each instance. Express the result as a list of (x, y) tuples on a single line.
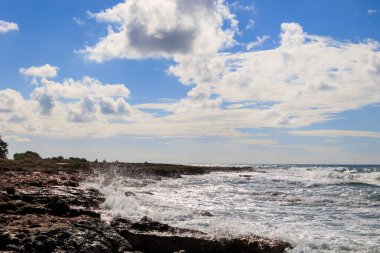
[(318, 209)]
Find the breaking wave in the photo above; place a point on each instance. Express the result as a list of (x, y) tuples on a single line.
[(317, 208)]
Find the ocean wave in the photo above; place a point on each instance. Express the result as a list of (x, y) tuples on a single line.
[(278, 204), (321, 176)]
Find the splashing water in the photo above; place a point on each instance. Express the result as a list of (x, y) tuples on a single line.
[(317, 208)]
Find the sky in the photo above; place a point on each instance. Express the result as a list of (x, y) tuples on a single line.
[(201, 81)]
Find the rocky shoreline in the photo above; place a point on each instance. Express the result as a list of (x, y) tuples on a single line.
[(43, 208)]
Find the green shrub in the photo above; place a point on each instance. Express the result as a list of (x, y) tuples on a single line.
[(28, 155)]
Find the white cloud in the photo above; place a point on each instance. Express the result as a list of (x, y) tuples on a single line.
[(238, 6), (250, 25), (7, 26), (78, 21), (10, 101), (114, 106), (83, 111), (259, 41), (337, 133), (15, 138), (91, 93), (76, 89), (45, 71), (305, 80), (72, 108), (372, 12), (292, 35), (163, 28)]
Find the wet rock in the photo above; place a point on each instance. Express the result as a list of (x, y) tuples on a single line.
[(77, 237), (246, 176), (72, 183), (202, 213), (129, 194), (10, 190), (7, 207), (36, 183), (148, 193), (58, 207), (49, 213), (151, 236)]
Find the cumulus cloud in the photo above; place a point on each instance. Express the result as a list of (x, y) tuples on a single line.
[(84, 111), (7, 26), (76, 89), (46, 103), (91, 93), (75, 108), (305, 80), (163, 28), (11, 102), (45, 71), (114, 106)]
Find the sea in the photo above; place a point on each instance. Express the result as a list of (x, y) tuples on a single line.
[(317, 208)]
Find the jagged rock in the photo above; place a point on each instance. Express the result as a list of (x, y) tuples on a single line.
[(10, 190), (129, 193), (58, 207), (52, 214), (202, 213), (154, 237)]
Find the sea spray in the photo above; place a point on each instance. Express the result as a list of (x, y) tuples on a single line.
[(317, 208)]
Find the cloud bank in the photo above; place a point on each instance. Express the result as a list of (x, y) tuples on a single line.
[(307, 79)]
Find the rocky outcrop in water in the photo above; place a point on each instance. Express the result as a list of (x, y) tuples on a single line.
[(150, 236), (44, 209)]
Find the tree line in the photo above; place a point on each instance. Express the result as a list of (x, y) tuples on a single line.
[(30, 155)]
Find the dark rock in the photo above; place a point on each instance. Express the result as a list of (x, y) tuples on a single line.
[(32, 209), (8, 207), (72, 183), (10, 190), (36, 183), (154, 237), (129, 193), (58, 207), (202, 213)]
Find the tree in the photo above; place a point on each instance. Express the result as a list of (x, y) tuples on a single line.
[(28, 155), (3, 149)]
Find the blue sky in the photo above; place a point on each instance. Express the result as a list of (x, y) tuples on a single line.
[(192, 81)]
